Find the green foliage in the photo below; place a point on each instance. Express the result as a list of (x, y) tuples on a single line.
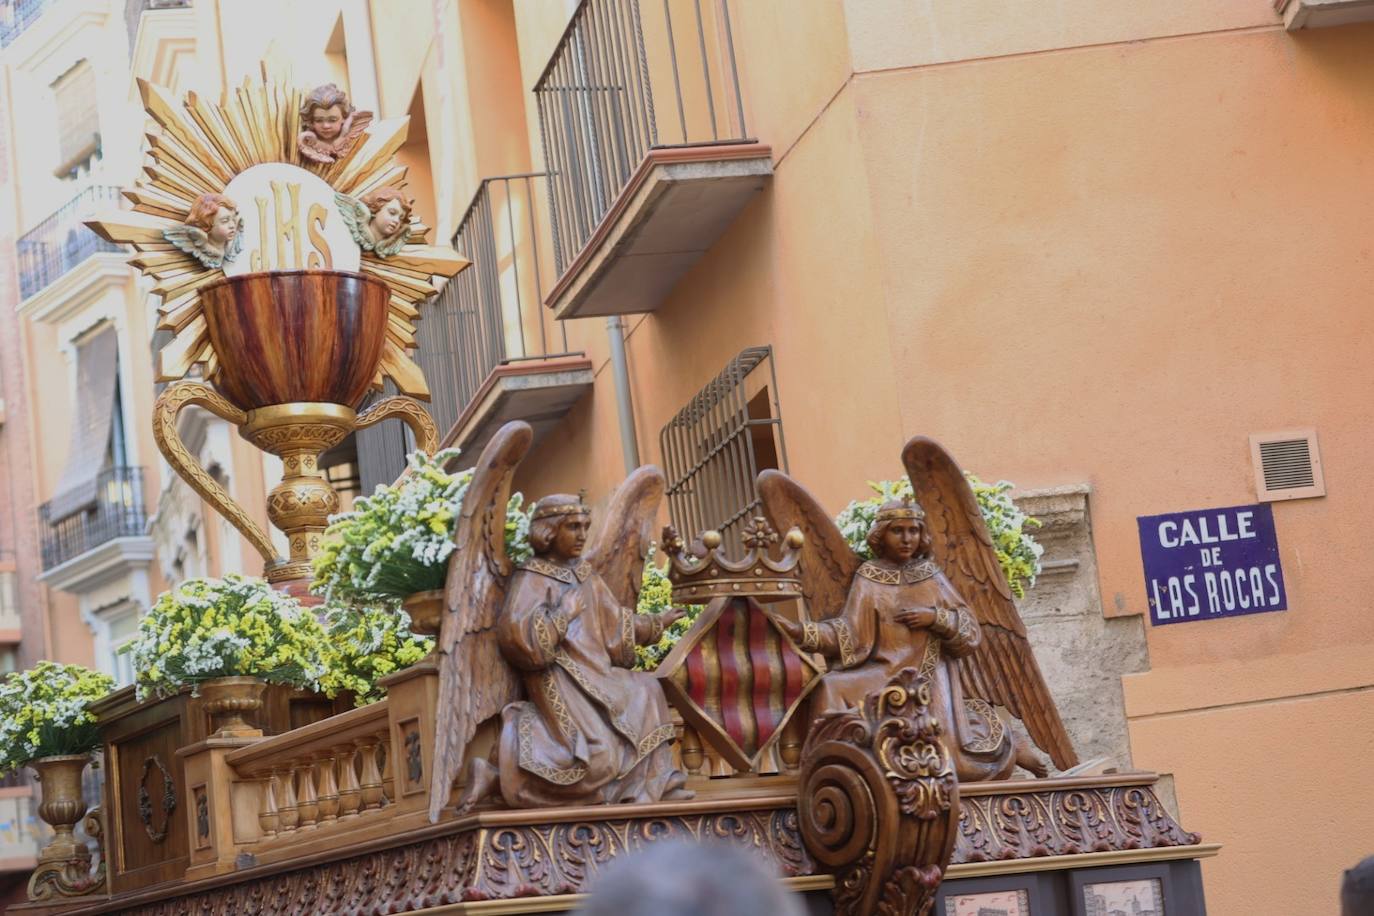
[(655, 596), (365, 645), (397, 541), (43, 712), (1017, 552), (235, 626)]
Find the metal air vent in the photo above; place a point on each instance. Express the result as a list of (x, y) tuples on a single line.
[(1287, 465)]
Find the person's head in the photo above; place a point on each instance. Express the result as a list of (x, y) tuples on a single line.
[(899, 532), (390, 211), (559, 526), (217, 215), (681, 878), (1357, 890), (324, 111)]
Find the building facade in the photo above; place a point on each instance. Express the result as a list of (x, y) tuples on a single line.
[(1110, 251)]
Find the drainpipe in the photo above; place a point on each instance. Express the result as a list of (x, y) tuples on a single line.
[(629, 446)]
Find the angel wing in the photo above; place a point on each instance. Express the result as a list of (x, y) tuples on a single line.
[(621, 542), (357, 123), (355, 216), (1003, 670), (828, 562), (389, 246), (475, 682), (194, 241)]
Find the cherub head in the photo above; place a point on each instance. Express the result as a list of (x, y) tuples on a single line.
[(899, 531), (324, 111), (559, 526), (217, 216), (390, 213)]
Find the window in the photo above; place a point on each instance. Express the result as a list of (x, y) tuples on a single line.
[(716, 445), (123, 629), (9, 609), (78, 125)]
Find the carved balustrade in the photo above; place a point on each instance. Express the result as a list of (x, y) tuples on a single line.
[(328, 773)]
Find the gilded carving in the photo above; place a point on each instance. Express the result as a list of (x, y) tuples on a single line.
[(408, 412), (175, 398)]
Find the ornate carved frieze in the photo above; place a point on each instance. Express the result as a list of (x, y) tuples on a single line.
[(497, 861), (1030, 823)]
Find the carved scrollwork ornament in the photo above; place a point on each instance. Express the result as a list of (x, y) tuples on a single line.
[(145, 802), (882, 771), (73, 877)]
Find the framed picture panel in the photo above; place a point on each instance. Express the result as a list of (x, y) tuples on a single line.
[(1031, 894), (1153, 889)]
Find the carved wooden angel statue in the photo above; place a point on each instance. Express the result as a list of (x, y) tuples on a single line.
[(551, 650), (329, 124), (379, 222), (933, 598), (212, 233)]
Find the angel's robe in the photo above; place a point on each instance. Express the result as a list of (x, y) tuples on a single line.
[(592, 730), (867, 647)]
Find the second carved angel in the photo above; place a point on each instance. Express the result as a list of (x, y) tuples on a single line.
[(549, 646), (933, 598)]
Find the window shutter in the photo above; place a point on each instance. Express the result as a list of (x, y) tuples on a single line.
[(77, 121)]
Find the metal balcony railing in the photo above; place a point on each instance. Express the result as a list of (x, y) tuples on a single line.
[(491, 313), (61, 242), (18, 15), (626, 78), (116, 511)]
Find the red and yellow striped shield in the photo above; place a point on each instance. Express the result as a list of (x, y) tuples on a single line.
[(737, 679)]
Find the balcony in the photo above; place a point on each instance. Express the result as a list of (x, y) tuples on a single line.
[(649, 155), (61, 242), (18, 15), (489, 352), (116, 511)]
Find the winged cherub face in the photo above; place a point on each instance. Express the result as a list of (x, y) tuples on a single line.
[(901, 539), (224, 227), (386, 222), (571, 537), (327, 122)]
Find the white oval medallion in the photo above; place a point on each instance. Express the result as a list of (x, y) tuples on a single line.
[(290, 222)]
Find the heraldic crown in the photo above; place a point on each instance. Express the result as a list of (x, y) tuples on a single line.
[(766, 572)]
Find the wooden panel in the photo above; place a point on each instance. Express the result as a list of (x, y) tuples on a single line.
[(137, 758)]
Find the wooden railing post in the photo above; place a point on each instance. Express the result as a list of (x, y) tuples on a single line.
[(413, 705)]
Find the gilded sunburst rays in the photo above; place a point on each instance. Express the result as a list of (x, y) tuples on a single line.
[(199, 148)]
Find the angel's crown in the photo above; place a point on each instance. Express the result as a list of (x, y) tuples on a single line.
[(908, 508), (763, 573), (551, 509)]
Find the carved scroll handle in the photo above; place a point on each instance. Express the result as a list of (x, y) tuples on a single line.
[(878, 802), (177, 397), (408, 412)]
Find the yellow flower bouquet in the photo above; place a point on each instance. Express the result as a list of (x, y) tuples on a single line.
[(43, 712), (235, 626)]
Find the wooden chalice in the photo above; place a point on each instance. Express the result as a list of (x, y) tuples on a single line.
[(297, 352)]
